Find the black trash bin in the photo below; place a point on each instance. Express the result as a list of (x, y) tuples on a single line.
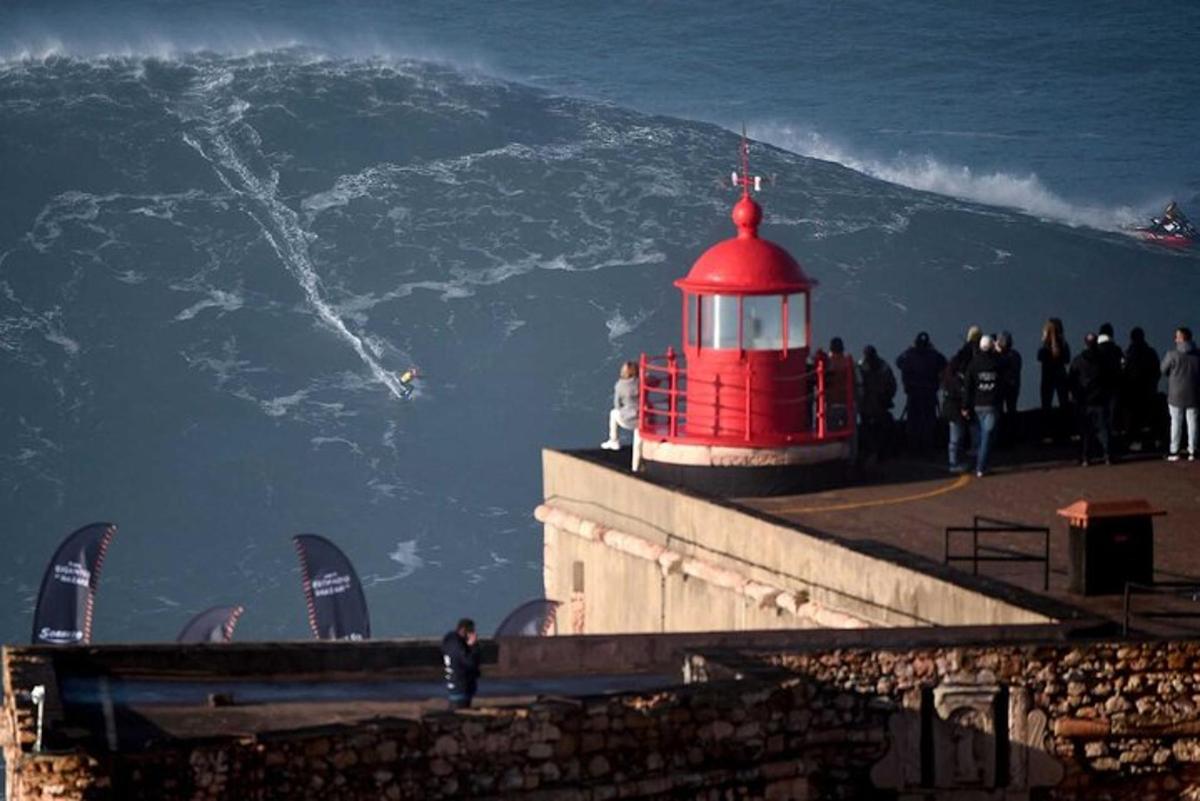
[(1109, 543)]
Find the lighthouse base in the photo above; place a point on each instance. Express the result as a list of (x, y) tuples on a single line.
[(748, 472)]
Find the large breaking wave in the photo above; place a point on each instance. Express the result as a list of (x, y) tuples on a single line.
[(212, 266)]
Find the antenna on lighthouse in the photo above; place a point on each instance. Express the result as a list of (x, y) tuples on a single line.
[(744, 179)]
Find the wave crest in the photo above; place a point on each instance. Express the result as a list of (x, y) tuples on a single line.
[(1025, 193)]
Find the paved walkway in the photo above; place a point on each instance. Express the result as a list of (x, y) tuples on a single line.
[(912, 503)]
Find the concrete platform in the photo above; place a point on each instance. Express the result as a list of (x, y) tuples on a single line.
[(908, 505)]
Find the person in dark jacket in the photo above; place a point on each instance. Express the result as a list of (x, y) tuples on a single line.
[(1114, 362), (877, 385), (460, 661), (1091, 381), (839, 386), (1054, 355), (921, 369), (1181, 367), (1010, 383), (954, 404), (982, 384), (1139, 391)]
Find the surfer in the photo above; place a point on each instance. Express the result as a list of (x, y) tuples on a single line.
[(407, 379)]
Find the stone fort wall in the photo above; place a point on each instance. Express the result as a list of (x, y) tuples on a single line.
[(1099, 721)]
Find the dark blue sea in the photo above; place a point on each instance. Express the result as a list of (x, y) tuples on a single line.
[(226, 229)]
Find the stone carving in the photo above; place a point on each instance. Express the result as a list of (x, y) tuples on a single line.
[(981, 740)]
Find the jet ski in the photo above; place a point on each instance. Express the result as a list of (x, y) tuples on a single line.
[(1171, 229)]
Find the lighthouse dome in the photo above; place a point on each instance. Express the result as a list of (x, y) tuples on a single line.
[(746, 264)]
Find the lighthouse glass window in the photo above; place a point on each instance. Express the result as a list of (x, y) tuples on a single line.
[(718, 321), (797, 320), (762, 322)]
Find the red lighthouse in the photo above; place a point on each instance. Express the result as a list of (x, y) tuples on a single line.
[(745, 411)]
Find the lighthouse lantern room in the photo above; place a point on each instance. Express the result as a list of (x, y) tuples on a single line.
[(746, 408)]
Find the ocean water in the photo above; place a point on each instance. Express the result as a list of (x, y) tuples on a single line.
[(225, 229)]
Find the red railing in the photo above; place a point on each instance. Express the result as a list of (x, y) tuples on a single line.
[(823, 400)]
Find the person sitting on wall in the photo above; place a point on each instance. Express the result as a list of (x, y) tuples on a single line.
[(460, 661), (624, 413)]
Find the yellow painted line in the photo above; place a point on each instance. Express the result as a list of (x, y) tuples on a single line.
[(956, 484)]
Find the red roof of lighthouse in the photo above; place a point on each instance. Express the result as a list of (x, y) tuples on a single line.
[(746, 264)]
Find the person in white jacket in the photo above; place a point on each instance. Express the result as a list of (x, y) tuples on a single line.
[(624, 414)]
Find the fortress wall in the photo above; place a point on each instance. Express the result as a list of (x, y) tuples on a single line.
[(1110, 720), (683, 571)]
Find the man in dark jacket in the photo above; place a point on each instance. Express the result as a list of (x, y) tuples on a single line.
[(1113, 359), (1181, 367), (877, 389), (1139, 390), (954, 404), (1010, 382), (983, 390), (460, 659), (1091, 381), (921, 368)]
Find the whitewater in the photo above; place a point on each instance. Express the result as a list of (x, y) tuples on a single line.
[(223, 239)]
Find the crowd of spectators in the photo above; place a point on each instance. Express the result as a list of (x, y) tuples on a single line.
[(1106, 397)]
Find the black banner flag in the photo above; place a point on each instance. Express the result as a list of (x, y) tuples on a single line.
[(337, 608)]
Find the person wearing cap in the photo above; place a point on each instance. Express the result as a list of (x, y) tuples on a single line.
[(1092, 387), (982, 383), (920, 370)]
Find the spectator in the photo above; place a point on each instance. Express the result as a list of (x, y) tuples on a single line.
[(1182, 370), (1010, 384), (954, 408), (974, 334), (878, 388), (921, 368), (1113, 358), (460, 660), (982, 385), (1139, 391), (839, 386), (1091, 382), (1054, 356), (624, 412)]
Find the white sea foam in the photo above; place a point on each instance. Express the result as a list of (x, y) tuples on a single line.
[(406, 556), (278, 407), (1024, 192), (279, 223), (217, 299)]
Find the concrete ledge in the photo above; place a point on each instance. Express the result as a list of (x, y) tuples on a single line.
[(870, 581)]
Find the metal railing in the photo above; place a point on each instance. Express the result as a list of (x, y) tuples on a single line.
[(823, 413), (1187, 590), (991, 553)]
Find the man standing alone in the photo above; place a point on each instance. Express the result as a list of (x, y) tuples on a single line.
[(460, 657), (1181, 367)]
